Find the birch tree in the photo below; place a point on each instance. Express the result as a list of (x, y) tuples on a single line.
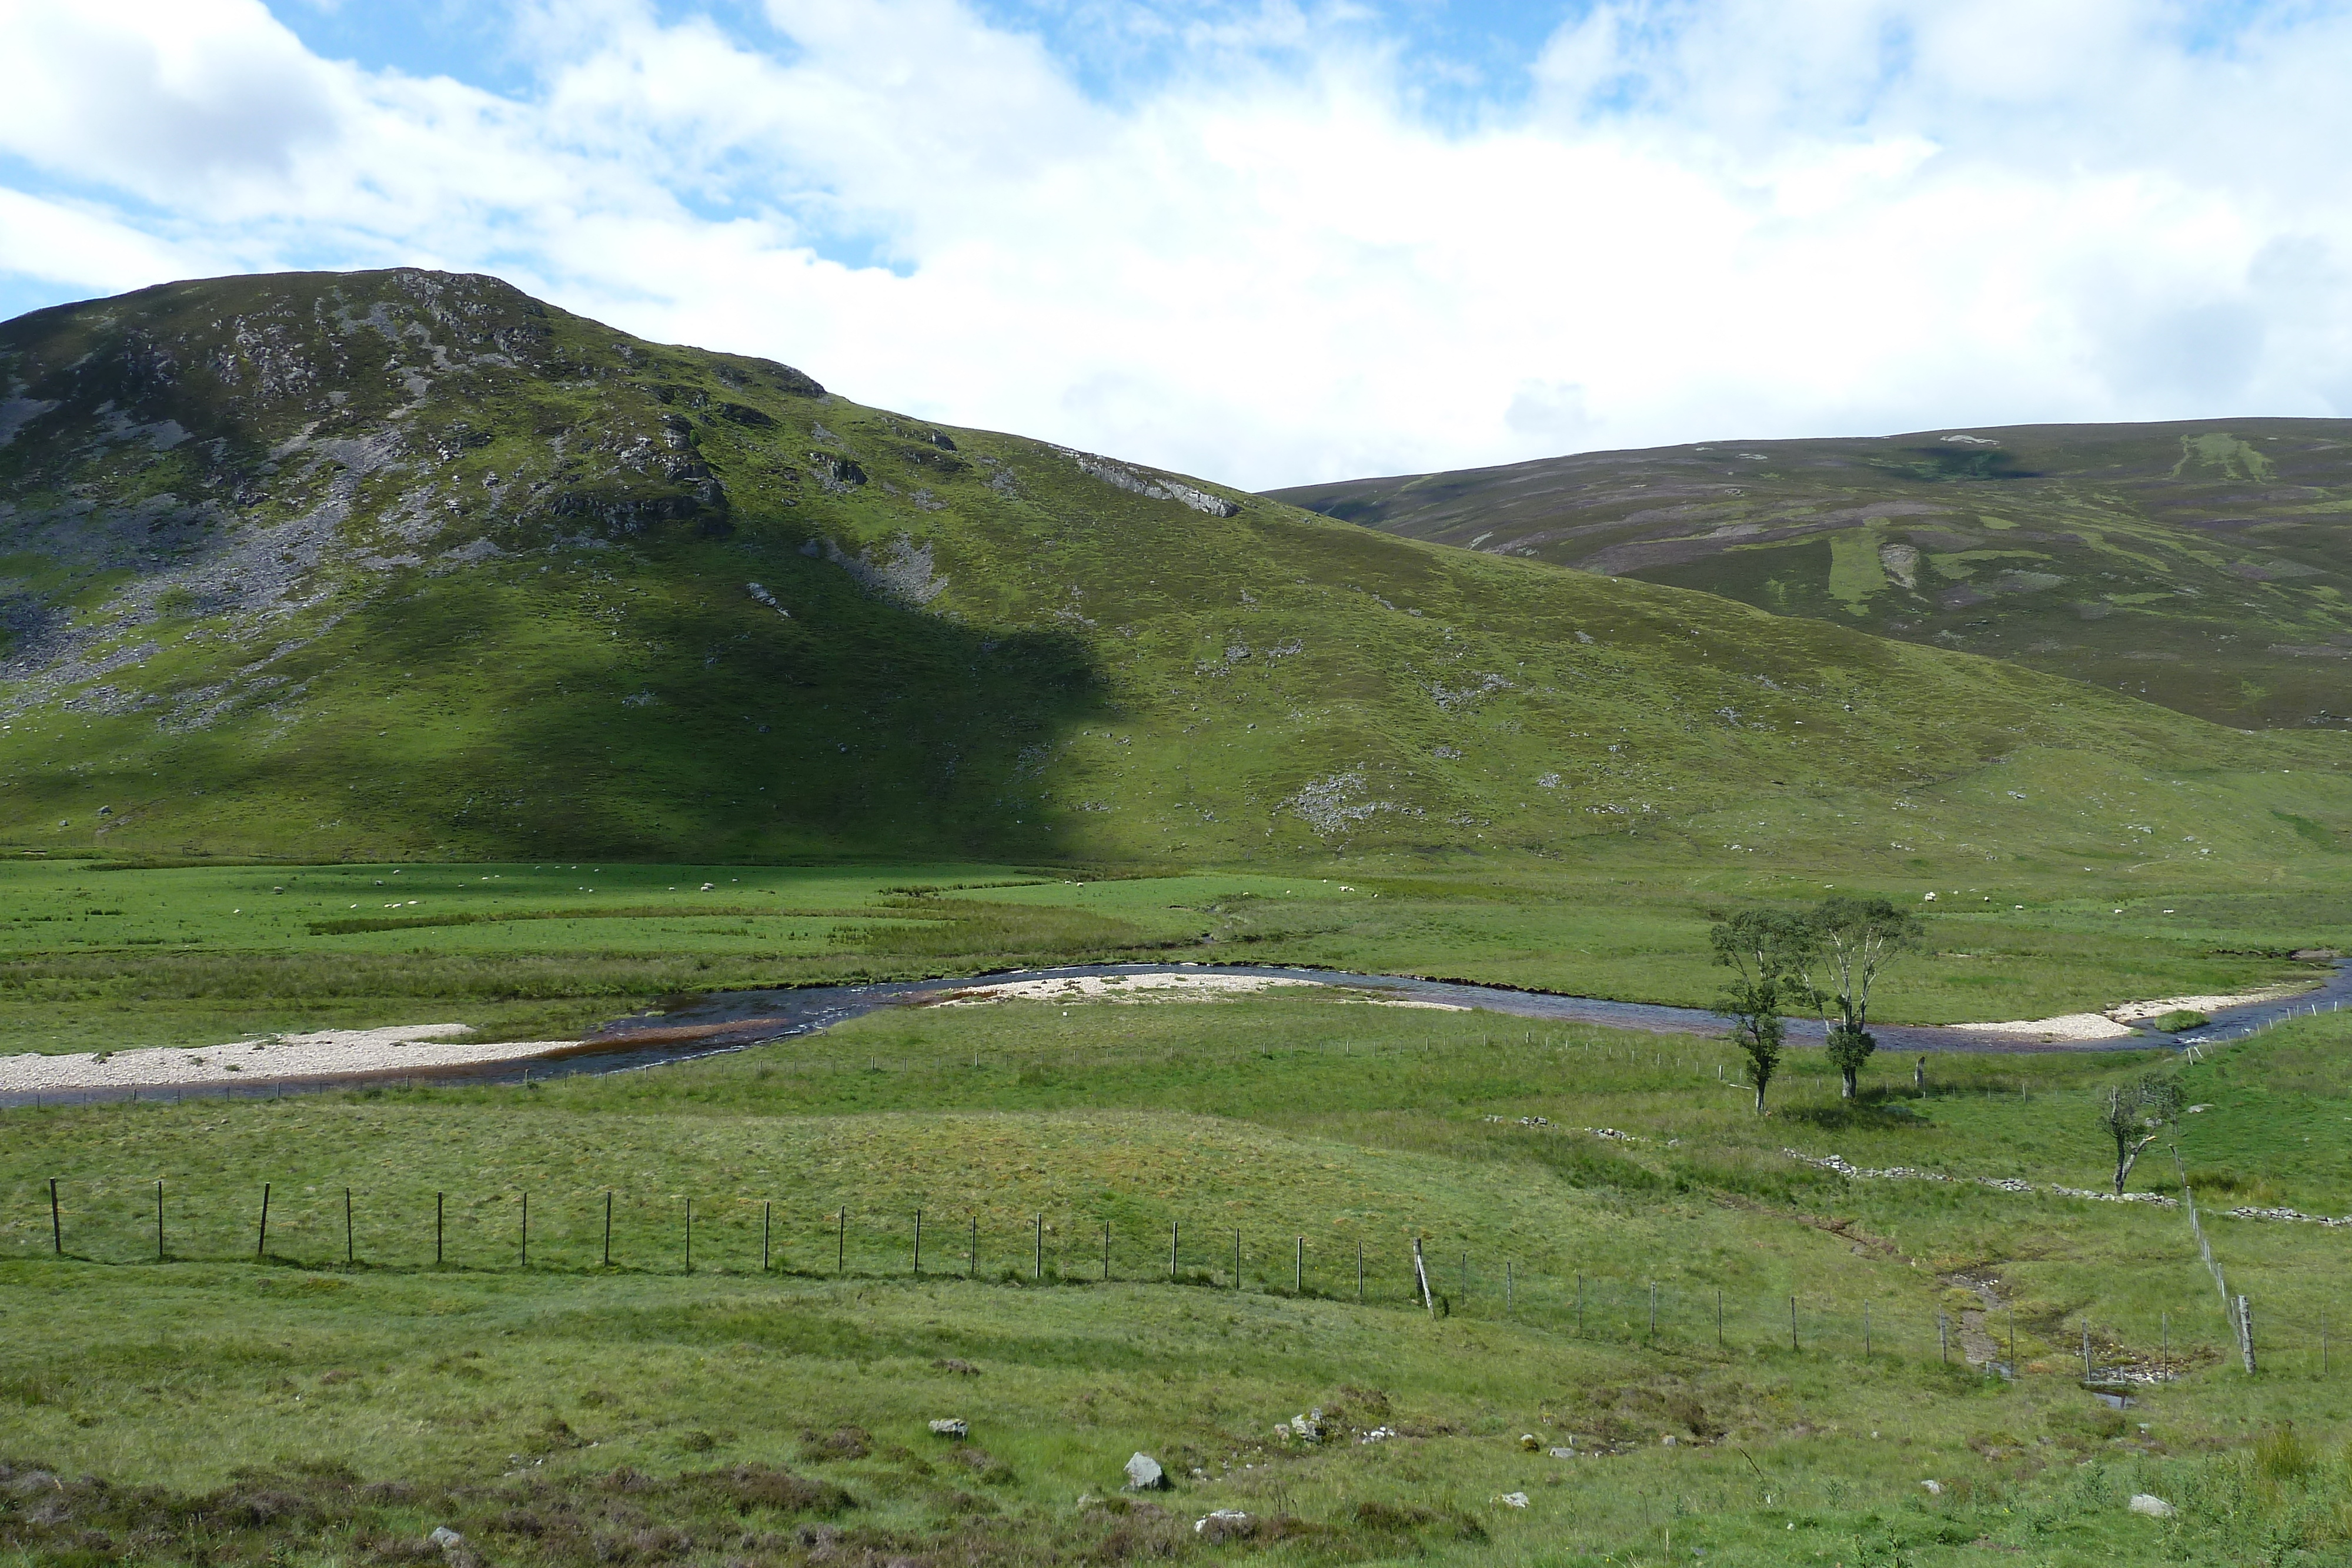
[(2135, 1115), (1852, 940), (1766, 949)]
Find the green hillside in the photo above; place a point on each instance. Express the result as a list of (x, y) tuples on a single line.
[(2202, 566), (406, 563)]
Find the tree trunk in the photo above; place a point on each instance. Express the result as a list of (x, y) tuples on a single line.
[(1760, 1095), (2126, 1157), (1849, 1093)]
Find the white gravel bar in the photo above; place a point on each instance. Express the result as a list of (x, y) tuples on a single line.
[(335, 1052)]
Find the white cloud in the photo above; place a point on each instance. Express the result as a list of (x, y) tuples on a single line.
[(1269, 265)]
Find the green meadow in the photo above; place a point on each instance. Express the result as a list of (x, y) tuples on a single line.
[(280, 1402), (99, 957)]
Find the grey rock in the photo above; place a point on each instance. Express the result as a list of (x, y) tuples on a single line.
[(1144, 1474), (2151, 1505), (950, 1426), (445, 1538)]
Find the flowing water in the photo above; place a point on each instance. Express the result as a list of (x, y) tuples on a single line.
[(731, 1020)]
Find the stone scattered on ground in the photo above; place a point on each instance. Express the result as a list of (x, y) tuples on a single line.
[(1221, 1523), (1513, 1500), (445, 1538), (2151, 1505), (1933, 1488), (1144, 1474), (950, 1426)]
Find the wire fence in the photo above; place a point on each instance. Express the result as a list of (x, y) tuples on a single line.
[(586, 1230)]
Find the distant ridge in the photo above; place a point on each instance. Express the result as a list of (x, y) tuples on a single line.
[(2204, 565), (408, 563)]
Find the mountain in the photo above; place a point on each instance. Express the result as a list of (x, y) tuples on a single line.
[(408, 563), (2205, 565)]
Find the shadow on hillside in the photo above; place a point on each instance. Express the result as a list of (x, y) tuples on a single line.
[(697, 723)]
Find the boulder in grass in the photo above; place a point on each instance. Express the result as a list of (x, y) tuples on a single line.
[(1224, 1524), (2151, 1505), (445, 1538), (1144, 1474), (950, 1426)]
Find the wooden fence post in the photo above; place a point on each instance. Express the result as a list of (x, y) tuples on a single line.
[(261, 1241), (608, 1227), (56, 1222), (159, 1222), (437, 1230)]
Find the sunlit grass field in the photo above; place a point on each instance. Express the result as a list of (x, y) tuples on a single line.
[(480, 1384), (95, 957)]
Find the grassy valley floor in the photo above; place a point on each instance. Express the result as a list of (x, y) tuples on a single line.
[(248, 1399), (102, 956)]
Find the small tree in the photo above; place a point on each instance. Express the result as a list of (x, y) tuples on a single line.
[(2135, 1115), (1851, 940), (1765, 948)]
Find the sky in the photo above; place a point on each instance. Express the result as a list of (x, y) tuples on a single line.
[(1270, 242)]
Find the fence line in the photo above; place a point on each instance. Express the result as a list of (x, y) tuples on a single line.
[(584, 1231), (2235, 1309)]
